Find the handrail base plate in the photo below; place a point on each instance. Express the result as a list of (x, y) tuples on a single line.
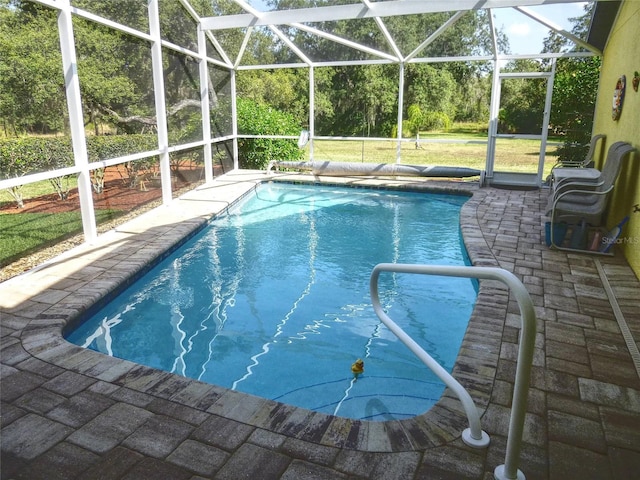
[(499, 474), (473, 442)]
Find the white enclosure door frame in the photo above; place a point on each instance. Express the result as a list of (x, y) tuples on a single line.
[(511, 177)]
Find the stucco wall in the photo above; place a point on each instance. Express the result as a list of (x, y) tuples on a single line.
[(622, 57)]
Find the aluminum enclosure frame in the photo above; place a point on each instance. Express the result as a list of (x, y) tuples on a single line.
[(206, 29)]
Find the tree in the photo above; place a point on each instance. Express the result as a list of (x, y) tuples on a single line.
[(363, 100), (31, 78), (106, 77), (114, 68), (375, 113), (574, 91), (522, 100), (116, 80), (574, 98), (470, 35), (260, 119), (284, 89), (31, 82), (432, 89), (473, 99)]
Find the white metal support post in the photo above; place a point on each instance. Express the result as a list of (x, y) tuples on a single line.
[(161, 107), (76, 119), (204, 104), (545, 121), (234, 119), (400, 108), (494, 110), (312, 109)]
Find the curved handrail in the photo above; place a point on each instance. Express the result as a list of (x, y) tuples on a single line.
[(474, 436)]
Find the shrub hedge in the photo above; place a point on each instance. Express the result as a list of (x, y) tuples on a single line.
[(259, 119), (24, 155)]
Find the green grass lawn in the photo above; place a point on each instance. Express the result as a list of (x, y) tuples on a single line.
[(32, 190), (25, 233), (470, 150)]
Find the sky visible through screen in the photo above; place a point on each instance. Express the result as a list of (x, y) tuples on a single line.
[(525, 34)]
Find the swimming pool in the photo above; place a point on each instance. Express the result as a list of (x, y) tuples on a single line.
[(272, 299)]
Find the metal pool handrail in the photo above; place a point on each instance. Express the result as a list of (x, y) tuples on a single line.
[(474, 436)]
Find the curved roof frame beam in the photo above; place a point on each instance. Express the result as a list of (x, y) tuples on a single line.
[(279, 34), (345, 42), (385, 32), (445, 26), (286, 40), (221, 51), (494, 36), (558, 29), (110, 23), (136, 33), (294, 48), (243, 47), (187, 6)]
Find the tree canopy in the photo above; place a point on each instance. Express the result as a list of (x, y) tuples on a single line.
[(31, 82), (574, 91), (117, 87)]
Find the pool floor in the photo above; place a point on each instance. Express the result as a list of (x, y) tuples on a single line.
[(241, 305)]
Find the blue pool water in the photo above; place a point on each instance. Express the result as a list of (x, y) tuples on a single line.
[(272, 298)]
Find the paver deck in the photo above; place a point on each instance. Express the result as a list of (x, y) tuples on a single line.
[(73, 413)]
